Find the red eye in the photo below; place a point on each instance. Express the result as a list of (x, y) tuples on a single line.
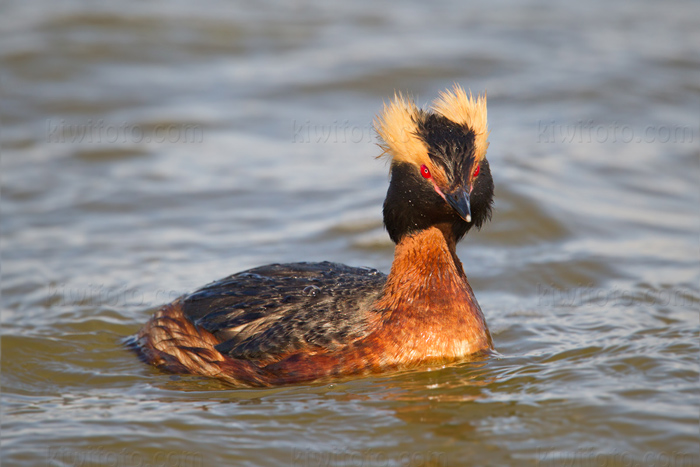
[(476, 171), (424, 171)]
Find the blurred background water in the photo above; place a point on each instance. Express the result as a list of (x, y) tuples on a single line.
[(149, 148)]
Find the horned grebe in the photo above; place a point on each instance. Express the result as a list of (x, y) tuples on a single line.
[(301, 322)]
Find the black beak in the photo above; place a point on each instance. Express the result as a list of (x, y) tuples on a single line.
[(459, 200)]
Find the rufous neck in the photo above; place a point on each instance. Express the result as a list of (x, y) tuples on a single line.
[(426, 263), (431, 309)]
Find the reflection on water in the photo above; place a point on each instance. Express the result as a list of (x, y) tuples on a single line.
[(149, 149)]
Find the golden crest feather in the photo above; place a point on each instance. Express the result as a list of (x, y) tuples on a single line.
[(466, 110), (397, 125)]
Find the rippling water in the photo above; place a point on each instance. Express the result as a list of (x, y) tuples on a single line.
[(149, 148)]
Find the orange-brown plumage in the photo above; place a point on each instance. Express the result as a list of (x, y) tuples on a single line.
[(283, 324)]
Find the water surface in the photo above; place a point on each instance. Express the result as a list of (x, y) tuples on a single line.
[(150, 148)]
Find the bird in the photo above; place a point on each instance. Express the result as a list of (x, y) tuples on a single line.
[(295, 323)]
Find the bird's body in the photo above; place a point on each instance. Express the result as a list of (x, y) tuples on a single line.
[(300, 322)]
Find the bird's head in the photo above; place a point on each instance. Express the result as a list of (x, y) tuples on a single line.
[(439, 171)]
